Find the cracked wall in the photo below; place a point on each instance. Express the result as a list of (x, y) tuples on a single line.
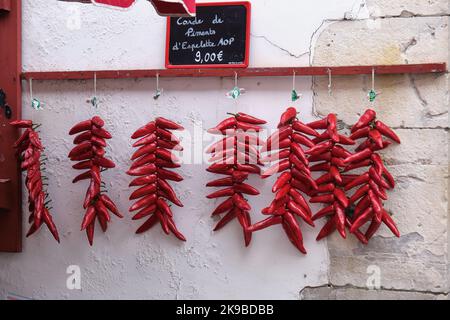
[(211, 265), (416, 265)]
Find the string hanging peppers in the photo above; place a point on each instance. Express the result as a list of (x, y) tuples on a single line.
[(285, 145), (89, 153), (330, 154), (371, 186), (30, 151), (237, 156), (150, 169)]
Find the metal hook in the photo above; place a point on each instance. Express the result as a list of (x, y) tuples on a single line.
[(372, 93), (294, 95), (35, 103), (236, 91), (94, 100), (158, 91), (329, 82)]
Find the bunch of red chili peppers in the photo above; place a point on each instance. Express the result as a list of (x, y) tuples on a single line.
[(330, 154), (236, 155), (29, 150), (372, 185), (150, 167), (90, 153), (286, 146)]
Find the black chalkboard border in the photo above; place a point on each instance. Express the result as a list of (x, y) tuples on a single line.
[(248, 6)]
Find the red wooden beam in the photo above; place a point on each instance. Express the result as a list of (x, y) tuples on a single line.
[(250, 72), (10, 174)]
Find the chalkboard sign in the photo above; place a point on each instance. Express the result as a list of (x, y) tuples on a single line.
[(218, 37)]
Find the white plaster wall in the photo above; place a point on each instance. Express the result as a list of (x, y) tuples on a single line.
[(151, 266), (121, 264)]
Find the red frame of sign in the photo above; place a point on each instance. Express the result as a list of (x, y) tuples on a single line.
[(218, 66)]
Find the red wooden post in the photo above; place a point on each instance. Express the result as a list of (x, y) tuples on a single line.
[(5, 6), (10, 175)]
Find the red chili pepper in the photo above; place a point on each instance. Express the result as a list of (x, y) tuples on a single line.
[(85, 136), (362, 164), (142, 171), (150, 148), (302, 140), (143, 191), (225, 220), (373, 228), (332, 127), (170, 145), (227, 192), (361, 192), (287, 117), (243, 117), (376, 137), (364, 178), (340, 219), (145, 159), (358, 157), (298, 210), (334, 172), (327, 229), (365, 119), (320, 124), (109, 204), (292, 229), (379, 192), (386, 131), (145, 212), (103, 162), (390, 224), (97, 121), (240, 202), (144, 202), (286, 143), (143, 180), (246, 189), (84, 176), (303, 128), (324, 166), (145, 140), (360, 133), (148, 224), (280, 155), (362, 219), (341, 197), (247, 126), (326, 198), (22, 123), (324, 212), (321, 157), (166, 135), (320, 148), (101, 133), (298, 151), (80, 127), (378, 179), (167, 124), (165, 186), (80, 149), (266, 223), (228, 123), (88, 218), (149, 128)]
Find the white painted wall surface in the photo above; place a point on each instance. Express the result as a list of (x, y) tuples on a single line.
[(154, 266)]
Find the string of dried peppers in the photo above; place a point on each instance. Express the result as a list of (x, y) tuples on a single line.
[(372, 184), (30, 152), (90, 153), (150, 166), (286, 145), (237, 156), (330, 154)]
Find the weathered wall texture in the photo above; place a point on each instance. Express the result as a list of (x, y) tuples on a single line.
[(416, 265), (209, 265)]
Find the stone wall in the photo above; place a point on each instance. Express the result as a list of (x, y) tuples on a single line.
[(416, 265)]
